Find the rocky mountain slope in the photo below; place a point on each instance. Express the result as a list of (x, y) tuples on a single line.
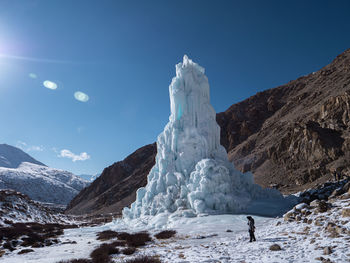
[(116, 187), (42, 183), (89, 177), (12, 157), (291, 137), (296, 135)]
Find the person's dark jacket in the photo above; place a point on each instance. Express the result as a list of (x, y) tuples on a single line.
[(251, 225)]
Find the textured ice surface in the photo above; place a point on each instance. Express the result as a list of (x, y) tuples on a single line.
[(192, 174)]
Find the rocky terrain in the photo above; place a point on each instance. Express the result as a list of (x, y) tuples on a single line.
[(296, 135), (292, 137), (16, 207)]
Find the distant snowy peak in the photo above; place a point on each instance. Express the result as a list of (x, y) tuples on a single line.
[(42, 183), (12, 157), (89, 177), (94, 177)]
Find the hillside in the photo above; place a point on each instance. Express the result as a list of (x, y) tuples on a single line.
[(296, 135), (291, 137), (16, 207), (12, 157), (117, 185), (42, 183)]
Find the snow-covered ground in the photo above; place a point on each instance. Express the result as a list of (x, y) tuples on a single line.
[(205, 239)]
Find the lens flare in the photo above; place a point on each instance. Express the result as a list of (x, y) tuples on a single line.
[(49, 84), (32, 75), (81, 96)]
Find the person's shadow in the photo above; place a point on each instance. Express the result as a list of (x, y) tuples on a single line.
[(274, 239)]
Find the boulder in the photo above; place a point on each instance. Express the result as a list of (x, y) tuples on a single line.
[(327, 251), (323, 206), (318, 222), (290, 216), (314, 203), (345, 212), (275, 247), (346, 187), (337, 192)]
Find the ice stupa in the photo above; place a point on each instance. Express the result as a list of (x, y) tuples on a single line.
[(192, 174)]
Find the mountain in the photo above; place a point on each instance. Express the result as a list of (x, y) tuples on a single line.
[(12, 157), (296, 135), (89, 177), (42, 183), (21, 172), (116, 187), (291, 137)]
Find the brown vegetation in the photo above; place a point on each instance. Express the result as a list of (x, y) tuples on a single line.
[(136, 239), (165, 234), (35, 234), (103, 252), (107, 235), (128, 250)]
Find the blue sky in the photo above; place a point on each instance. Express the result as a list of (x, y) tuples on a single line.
[(122, 54)]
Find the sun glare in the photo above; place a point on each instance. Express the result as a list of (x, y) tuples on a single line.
[(50, 85), (81, 96)]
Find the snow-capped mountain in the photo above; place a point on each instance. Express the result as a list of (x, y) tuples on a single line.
[(89, 177), (42, 183), (21, 172), (12, 157)]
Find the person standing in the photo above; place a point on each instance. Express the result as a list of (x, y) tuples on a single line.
[(251, 228)]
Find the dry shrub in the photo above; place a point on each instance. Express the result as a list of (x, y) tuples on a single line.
[(8, 245), (119, 243), (25, 251), (107, 235), (128, 250), (165, 234), (36, 234), (123, 235), (136, 239), (101, 254)]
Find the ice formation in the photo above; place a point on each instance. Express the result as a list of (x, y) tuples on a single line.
[(192, 174)]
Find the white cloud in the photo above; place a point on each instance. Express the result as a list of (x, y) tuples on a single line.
[(29, 148), (21, 145), (36, 148), (75, 157)]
